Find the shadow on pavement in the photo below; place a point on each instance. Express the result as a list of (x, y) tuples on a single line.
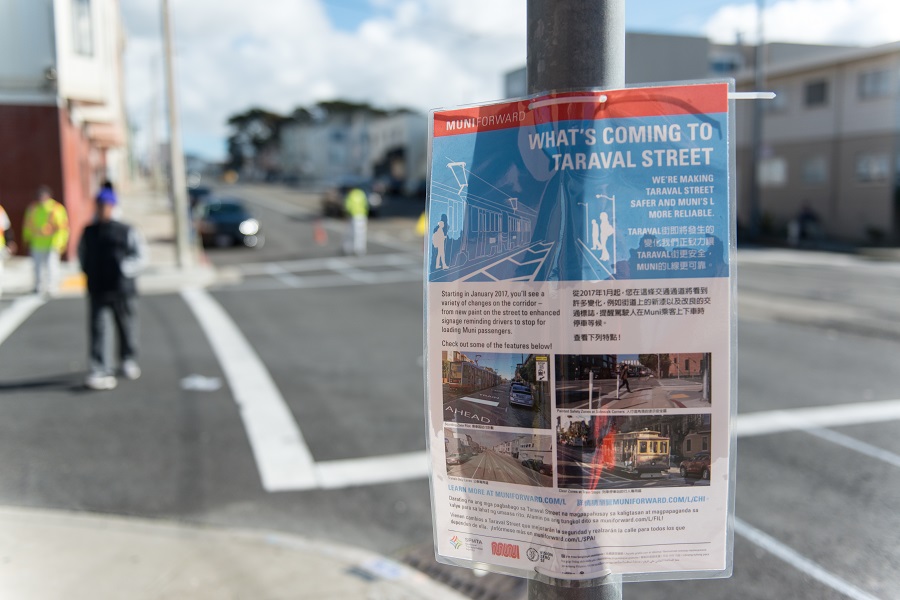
[(70, 382)]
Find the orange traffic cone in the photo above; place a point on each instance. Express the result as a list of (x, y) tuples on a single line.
[(319, 233)]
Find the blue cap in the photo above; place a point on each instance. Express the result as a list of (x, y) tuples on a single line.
[(107, 196)]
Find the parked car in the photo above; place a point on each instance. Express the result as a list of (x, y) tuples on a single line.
[(536, 464), (697, 466), (333, 197), (198, 194), (227, 222), (520, 395), (455, 459)]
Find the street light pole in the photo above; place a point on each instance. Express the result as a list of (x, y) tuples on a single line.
[(177, 179), (575, 44)]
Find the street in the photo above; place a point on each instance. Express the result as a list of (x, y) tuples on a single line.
[(288, 397), (646, 392), (584, 469), (491, 406), (493, 466)]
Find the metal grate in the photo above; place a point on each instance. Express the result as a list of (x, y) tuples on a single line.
[(465, 581)]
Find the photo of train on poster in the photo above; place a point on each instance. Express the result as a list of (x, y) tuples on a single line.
[(580, 333)]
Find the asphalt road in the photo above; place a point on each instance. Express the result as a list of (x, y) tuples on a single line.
[(491, 406), (341, 341), (494, 466)]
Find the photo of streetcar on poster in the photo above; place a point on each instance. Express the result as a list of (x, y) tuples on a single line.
[(524, 459), (490, 388), (633, 381), (615, 452)]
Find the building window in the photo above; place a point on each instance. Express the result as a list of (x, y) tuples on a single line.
[(687, 445), (705, 443), (724, 64), (82, 27), (816, 93), (874, 84), (872, 168), (772, 172), (815, 170)]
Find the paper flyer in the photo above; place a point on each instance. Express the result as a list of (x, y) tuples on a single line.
[(579, 333)]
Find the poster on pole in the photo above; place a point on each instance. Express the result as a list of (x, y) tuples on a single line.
[(580, 333)]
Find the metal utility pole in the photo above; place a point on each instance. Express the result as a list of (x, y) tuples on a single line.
[(757, 131), (177, 179), (575, 44)]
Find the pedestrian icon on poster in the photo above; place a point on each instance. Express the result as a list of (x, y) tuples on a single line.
[(606, 230)]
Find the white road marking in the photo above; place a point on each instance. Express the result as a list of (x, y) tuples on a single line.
[(803, 419), (799, 562), (854, 444), (17, 313), (479, 401), (282, 456), (284, 276), (335, 474)]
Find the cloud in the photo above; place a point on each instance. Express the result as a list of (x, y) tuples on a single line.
[(232, 54), (862, 22), (421, 54)]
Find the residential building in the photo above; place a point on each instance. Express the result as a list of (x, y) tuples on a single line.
[(830, 143), (361, 143), (62, 120), (830, 140)]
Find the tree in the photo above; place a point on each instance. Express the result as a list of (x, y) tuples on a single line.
[(251, 132), (657, 363)]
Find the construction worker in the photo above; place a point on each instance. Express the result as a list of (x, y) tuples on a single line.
[(7, 242), (46, 233), (356, 204)]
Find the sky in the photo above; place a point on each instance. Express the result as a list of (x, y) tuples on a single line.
[(231, 55)]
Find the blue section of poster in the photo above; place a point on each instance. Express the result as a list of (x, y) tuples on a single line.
[(585, 200)]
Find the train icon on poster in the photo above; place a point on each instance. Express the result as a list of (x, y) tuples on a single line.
[(485, 236)]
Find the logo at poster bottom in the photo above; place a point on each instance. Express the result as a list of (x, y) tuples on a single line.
[(505, 550), (455, 542), (535, 555), (474, 544)]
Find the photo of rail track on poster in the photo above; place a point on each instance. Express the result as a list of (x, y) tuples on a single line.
[(580, 333)]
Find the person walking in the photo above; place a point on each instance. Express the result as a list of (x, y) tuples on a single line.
[(7, 242), (357, 206), (623, 378), (46, 233), (111, 254)]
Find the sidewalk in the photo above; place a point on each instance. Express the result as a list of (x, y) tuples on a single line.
[(55, 555), (50, 554)]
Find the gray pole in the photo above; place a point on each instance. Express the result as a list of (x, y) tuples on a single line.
[(575, 44), (757, 130), (177, 179)]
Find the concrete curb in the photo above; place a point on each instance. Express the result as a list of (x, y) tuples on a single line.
[(51, 554)]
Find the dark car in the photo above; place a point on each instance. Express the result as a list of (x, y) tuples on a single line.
[(520, 395), (227, 222), (333, 197), (198, 194), (697, 466), (536, 464)]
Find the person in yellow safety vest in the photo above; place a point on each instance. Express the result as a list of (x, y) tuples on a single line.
[(356, 204), (46, 233), (7, 242)]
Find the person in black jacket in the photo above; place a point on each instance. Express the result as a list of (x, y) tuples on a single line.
[(111, 254)]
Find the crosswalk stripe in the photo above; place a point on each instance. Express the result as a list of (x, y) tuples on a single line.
[(18, 313), (282, 456)]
